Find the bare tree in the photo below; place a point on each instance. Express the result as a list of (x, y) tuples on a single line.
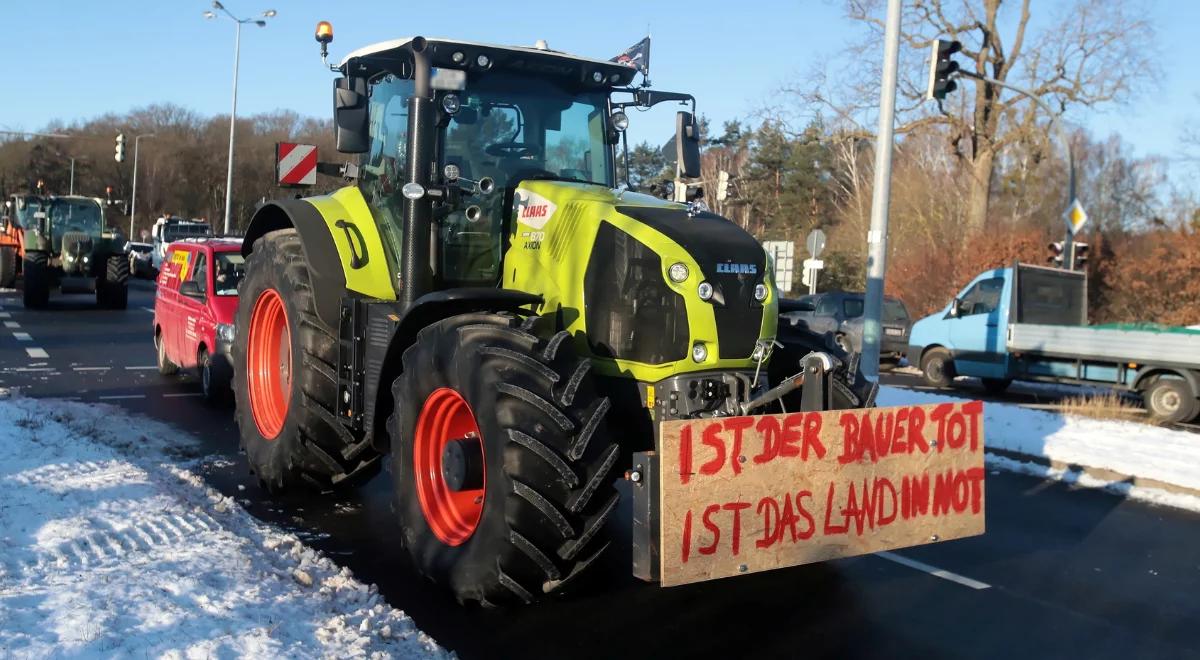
[(1082, 54)]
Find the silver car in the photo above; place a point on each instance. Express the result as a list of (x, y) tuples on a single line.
[(840, 314)]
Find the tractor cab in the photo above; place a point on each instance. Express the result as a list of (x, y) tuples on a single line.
[(483, 118)]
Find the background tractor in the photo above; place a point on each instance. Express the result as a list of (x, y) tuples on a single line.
[(484, 305), (67, 247), (18, 214)]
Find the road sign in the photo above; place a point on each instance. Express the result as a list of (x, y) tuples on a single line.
[(815, 242), (1075, 216), (783, 255), (813, 264), (295, 164)]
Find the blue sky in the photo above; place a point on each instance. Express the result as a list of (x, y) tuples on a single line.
[(86, 58)]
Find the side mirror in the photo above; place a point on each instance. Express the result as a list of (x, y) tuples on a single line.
[(687, 145), (350, 115), (955, 308), (191, 289)]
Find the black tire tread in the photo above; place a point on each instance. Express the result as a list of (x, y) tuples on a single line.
[(323, 453), (546, 467), (8, 266), (36, 294)]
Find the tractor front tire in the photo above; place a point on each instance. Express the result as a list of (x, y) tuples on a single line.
[(37, 280), (8, 266), (285, 383), (112, 289), (502, 468)]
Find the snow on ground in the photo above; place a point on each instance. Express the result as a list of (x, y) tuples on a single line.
[(109, 546), (1127, 448)]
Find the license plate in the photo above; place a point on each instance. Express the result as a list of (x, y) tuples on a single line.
[(895, 332), (740, 495)]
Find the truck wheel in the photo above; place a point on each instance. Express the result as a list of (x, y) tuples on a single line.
[(502, 469), (37, 280), (1170, 400), (286, 377), (112, 291), (995, 385), (8, 266), (165, 366), (215, 377), (937, 367)]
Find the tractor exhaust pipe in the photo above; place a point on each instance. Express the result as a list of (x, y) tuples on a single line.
[(416, 273)]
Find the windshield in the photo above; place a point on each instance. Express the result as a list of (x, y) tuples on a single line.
[(893, 310), (231, 267), (26, 207), (509, 128), (78, 215), (176, 232)]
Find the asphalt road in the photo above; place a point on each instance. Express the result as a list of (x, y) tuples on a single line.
[(1061, 571)]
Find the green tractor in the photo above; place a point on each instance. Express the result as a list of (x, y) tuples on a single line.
[(487, 308), (68, 247)]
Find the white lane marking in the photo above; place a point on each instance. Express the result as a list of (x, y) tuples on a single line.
[(11, 324), (179, 394), (5, 315), (933, 570), (22, 336), (142, 367), (148, 309), (112, 397), (37, 353), (29, 369), (91, 368)]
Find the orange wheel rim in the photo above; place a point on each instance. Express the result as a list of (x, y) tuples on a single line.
[(269, 364), (452, 515)]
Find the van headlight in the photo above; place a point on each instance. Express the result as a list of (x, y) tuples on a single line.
[(226, 332)]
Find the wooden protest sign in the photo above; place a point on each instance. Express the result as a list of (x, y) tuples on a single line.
[(746, 494)]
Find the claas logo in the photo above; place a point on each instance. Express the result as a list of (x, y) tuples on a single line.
[(738, 269), (538, 211)]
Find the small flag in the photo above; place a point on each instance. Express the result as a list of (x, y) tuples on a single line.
[(636, 56)]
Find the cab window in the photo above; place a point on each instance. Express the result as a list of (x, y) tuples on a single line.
[(983, 297), (200, 273), (826, 307)]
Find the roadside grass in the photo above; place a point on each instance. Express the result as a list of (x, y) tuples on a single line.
[(1105, 405)]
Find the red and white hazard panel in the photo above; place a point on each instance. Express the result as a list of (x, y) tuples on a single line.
[(295, 164)]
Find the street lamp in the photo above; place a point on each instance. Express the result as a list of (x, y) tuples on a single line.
[(237, 49), (133, 195)]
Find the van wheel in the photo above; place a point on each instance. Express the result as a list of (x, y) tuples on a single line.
[(215, 377), (937, 367), (1170, 401), (165, 366)]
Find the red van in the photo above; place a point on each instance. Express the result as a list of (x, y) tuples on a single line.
[(194, 308)]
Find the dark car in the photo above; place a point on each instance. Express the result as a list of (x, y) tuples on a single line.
[(840, 315)]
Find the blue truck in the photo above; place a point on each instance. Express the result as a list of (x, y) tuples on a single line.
[(1030, 323)]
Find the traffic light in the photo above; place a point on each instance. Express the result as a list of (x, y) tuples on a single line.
[(1056, 253), (120, 154), (108, 194), (1079, 252), (941, 67), (41, 186)]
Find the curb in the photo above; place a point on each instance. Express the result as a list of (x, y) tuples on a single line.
[(1100, 474)]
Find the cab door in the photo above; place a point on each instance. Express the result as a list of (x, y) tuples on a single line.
[(193, 307), (166, 298), (977, 332)]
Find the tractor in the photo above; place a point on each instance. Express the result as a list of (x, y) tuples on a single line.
[(18, 214), (68, 247), (487, 310)]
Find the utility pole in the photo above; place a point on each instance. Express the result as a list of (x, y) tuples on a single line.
[(71, 188), (133, 195), (877, 235)]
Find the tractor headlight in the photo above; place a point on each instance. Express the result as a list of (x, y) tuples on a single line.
[(699, 352), (705, 291), (678, 272), (760, 292), (620, 121)]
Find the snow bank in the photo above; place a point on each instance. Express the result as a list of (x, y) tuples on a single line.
[(1128, 448), (109, 548)]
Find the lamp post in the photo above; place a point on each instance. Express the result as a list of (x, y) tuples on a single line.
[(133, 195), (237, 49)]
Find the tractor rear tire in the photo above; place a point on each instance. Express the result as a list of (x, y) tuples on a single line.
[(285, 383), (112, 289), (526, 514), (37, 280), (8, 266)]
